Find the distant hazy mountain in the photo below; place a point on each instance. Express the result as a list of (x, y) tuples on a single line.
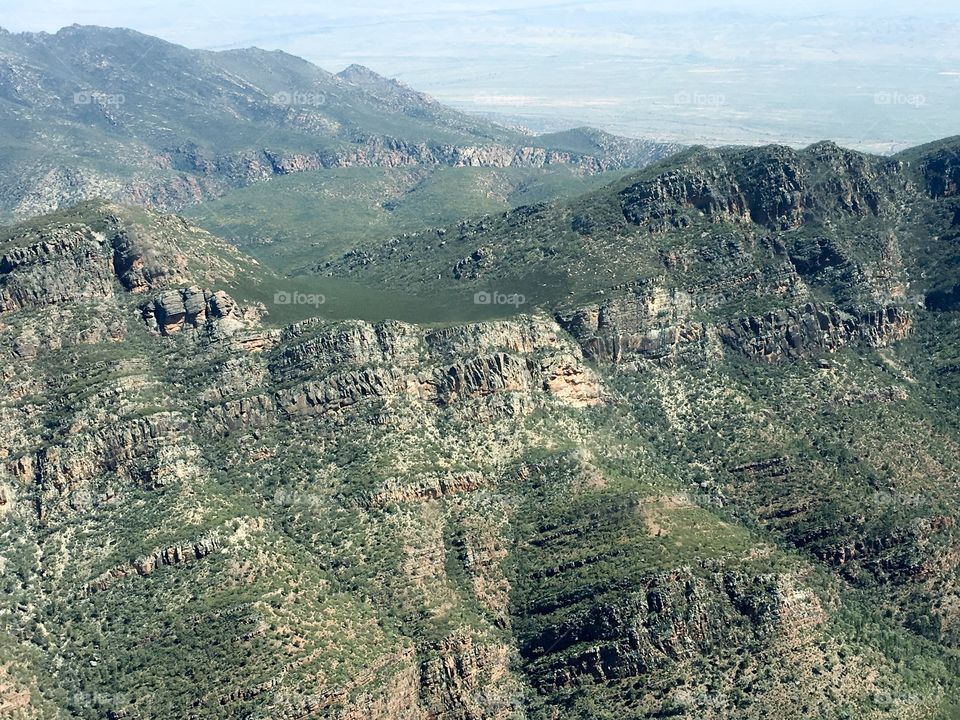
[(93, 111)]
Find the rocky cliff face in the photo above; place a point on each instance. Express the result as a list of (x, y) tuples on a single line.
[(817, 258), (75, 263), (798, 332), (187, 175), (327, 372), (776, 187), (625, 329), (673, 617), (387, 151), (939, 170)]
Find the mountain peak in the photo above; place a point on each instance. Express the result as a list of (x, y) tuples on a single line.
[(389, 89), (356, 70), (78, 29), (363, 76)]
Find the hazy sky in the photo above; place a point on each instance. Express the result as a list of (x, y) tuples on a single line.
[(872, 74), (214, 23)]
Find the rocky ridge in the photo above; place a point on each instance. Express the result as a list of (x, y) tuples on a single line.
[(274, 114)]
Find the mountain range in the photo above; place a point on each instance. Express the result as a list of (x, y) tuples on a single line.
[(90, 112), (677, 438)]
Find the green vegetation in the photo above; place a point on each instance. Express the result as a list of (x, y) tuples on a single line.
[(298, 222), (206, 514)]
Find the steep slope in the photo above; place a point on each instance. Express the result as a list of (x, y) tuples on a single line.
[(791, 315), (642, 223), (204, 516), (93, 111), (399, 98)]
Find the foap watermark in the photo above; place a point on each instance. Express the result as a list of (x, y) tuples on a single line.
[(95, 97), (485, 297), (887, 699), (704, 99), (496, 701), (892, 97), (284, 297), (295, 498), (299, 98), (100, 700), (890, 499)]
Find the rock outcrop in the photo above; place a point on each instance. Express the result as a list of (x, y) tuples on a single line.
[(628, 328), (673, 618), (775, 187), (214, 313), (355, 364), (814, 328), (167, 556)]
